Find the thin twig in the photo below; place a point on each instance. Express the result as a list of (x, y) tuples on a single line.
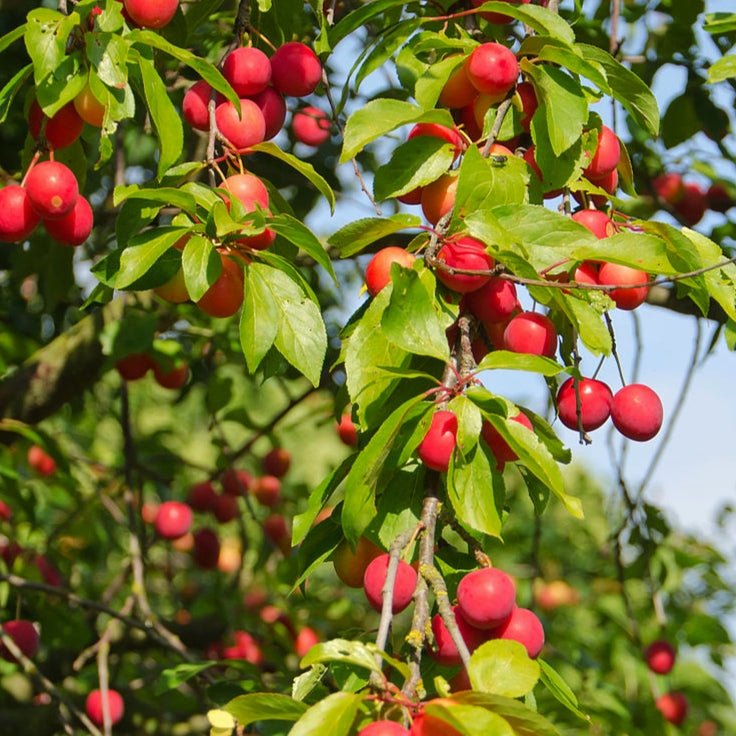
[(92, 650), (420, 621), (437, 584), (567, 285), (341, 128), (103, 676), (614, 349), (30, 668), (678, 406), (28, 585), (387, 592), (501, 111)]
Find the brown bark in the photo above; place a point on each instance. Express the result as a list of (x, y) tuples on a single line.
[(59, 371)]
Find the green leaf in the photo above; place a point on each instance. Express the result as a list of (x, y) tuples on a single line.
[(45, 38), (202, 265), (343, 650), (680, 251), (636, 98), (384, 48), (12, 36), (338, 709), (364, 349), (506, 360), (302, 167), (488, 182), (151, 39), (537, 459), (301, 337), (730, 334), (470, 720), (429, 86), (203, 196), (199, 13), (574, 63), (722, 69), (720, 282), (718, 22), (564, 104), (221, 222), (523, 719), (503, 667), (381, 116), (414, 163), (543, 237), (354, 20), (11, 89), (355, 236), (317, 499), (108, 53), (298, 233), (143, 252), (485, 226), (476, 492), (305, 683), (411, 320), (359, 507), (703, 629), (538, 492), (173, 677), (680, 121), (287, 267), (247, 709), (400, 510), (469, 422), (164, 115), (644, 251), (165, 196), (561, 691), (588, 323), (259, 320), (543, 21), (320, 542)]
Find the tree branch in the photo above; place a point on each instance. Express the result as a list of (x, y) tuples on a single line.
[(57, 372)]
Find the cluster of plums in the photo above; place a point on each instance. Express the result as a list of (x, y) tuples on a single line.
[(261, 84), (585, 404), (135, 366), (241, 644), (688, 199), (486, 601), (225, 295), (486, 609), (49, 194), (173, 519), (50, 191), (636, 410)]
